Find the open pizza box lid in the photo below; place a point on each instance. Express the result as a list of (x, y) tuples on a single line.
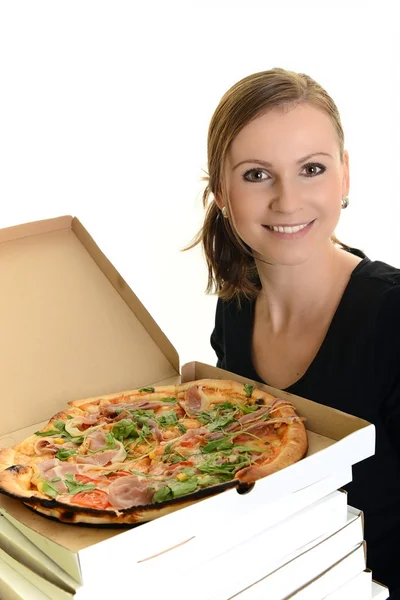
[(72, 328)]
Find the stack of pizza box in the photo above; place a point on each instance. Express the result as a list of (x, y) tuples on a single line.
[(72, 328)]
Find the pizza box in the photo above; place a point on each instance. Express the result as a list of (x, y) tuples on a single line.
[(17, 539), (72, 328), (293, 535), (14, 587), (343, 572), (379, 591), (302, 569), (18, 547), (264, 553), (359, 588)]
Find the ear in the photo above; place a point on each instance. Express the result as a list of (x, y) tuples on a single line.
[(346, 174), (218, 200)]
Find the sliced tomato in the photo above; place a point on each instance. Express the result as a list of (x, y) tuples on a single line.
[(84, 478), (117, 475), (183, 463), (188, 443), (92, 499)]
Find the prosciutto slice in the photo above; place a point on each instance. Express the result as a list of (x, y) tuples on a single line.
[(72, 426), (129, 491), (53, 469), (96, 440), (194, 399), (47, 445), (249, 418), (114, 455)]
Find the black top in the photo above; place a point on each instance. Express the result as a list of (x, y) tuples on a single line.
[(356, 370)]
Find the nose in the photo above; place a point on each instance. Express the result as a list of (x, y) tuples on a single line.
[(286, 198)]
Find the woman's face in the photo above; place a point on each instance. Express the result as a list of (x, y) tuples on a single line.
[(285, 182)]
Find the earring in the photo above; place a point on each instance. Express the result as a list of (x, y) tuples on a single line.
[(224, 212), (345, 201)]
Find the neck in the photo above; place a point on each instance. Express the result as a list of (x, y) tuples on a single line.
[(291, 294)]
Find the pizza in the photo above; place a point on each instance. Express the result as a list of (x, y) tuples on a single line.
[(126, 458)]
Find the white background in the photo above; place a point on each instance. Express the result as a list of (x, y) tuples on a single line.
[(104, 110)]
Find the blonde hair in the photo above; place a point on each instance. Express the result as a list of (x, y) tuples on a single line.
[(231, 267)]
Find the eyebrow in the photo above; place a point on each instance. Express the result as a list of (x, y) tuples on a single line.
[(265, 163)]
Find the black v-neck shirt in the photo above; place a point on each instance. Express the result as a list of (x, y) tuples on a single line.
[(356, 370)]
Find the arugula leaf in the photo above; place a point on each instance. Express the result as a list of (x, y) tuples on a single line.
[(74, 486), (147, 389), (70, 417), (248, 389), (248, 409), (227, 406), (61, 431), (65, 453), (167, 419), (182, 428), (145, 431), (175, 489), (220, 422), (124, 429), (204, 417), (142, 416), (48, 433), (163, 494), (180, 488), (217, 445), (207, 480), (169, 400), (49, 489), (55, 479), (175, 458), (245, 448), (223, 469), (170, 454), (110, 440), (188, 471)]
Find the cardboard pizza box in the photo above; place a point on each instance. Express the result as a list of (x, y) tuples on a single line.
[(270, 548), (72, 328), (338, 576), (379, 591), (15, 587), (357, 588), (18, 547), (301, 570), (17, 539)]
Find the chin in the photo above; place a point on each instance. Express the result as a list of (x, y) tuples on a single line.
[(289, 257)]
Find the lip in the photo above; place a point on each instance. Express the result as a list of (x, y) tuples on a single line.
[(288, 224), (290, 236)]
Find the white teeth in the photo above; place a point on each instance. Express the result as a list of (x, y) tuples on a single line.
[(294, 229)]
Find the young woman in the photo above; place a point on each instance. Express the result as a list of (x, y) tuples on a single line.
[(297, 309)]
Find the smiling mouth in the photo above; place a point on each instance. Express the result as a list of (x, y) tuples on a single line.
[(288, 229)]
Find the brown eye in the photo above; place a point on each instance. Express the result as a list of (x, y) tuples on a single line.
[(255, 175), (314, 169)]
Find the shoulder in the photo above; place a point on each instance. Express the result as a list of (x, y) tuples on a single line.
[(233, 310), (378, 273)]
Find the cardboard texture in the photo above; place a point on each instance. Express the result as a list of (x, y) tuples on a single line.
[(73, 329)]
